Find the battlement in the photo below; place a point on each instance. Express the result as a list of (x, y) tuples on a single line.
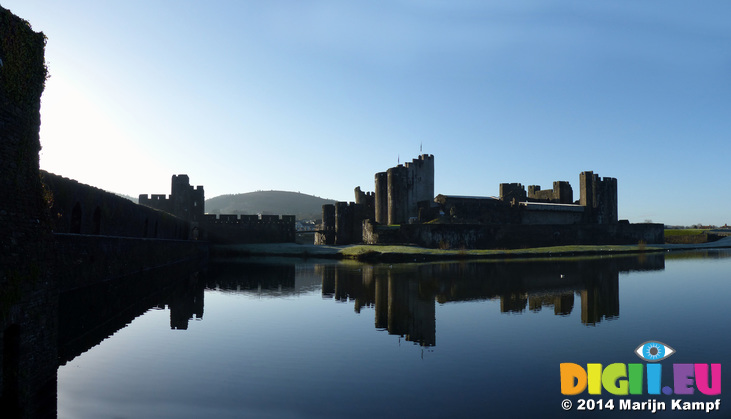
[(424, 158), (512, 191), (147, 198), (184, 201), (248, 219), (562, 193), (243, 228)]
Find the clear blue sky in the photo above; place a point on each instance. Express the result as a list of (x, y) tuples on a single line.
[(318, 96)]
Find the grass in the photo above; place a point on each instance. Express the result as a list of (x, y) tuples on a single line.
[(407, 253), (684, 232), (396, 252)]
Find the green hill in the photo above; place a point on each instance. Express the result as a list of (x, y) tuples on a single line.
[(303, 206)]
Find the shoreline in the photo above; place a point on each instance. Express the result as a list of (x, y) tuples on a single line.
[(408, 253)]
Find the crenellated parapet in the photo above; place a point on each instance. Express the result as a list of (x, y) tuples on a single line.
[(561, 193), (184, 201), (248, 219), (242, 228)]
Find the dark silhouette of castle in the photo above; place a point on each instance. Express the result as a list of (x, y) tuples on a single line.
[(184, 201), (403, 209), (399, 194), (188, 203)]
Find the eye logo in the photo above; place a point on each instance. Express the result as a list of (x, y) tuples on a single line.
[(653, 351)]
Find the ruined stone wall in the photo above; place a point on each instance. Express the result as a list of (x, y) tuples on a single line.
[(562, 193), (28, 296), (476, 210), (241, 229), (533, 213), (512, 191), (599, 196), (535, 193), (82, 209), (380, 234), (473, 236)]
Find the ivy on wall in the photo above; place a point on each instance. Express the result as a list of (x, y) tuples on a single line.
[(23, 71)]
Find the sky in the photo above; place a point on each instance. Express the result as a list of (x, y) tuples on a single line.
[(318, 96)]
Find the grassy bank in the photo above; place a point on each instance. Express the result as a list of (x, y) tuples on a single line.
[(413, 253), (683, 232), (690, 236), (404, 253)]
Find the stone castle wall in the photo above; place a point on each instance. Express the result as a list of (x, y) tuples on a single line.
[(188, 203), (82, 209), (55, 234), (561, 193), (242, 229), (28, 296), (513, 236)]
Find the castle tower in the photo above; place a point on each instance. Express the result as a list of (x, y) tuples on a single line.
[(420, 183), (398, 178), (187, 203), (563, 193), (328, 224), (599, 196), (343, 223), (400, 190), (381, 198), (368, 201)]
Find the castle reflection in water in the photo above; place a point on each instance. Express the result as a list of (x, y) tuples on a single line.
[(404, 296)]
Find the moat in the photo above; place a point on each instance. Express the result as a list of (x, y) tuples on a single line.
[(283, 338)]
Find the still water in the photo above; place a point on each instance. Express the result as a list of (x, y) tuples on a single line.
[(304, 339)]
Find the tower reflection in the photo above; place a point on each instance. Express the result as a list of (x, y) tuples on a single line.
[(404, 297)]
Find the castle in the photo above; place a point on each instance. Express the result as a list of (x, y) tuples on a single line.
[(184, 202), (188, 203), (403, 209)]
